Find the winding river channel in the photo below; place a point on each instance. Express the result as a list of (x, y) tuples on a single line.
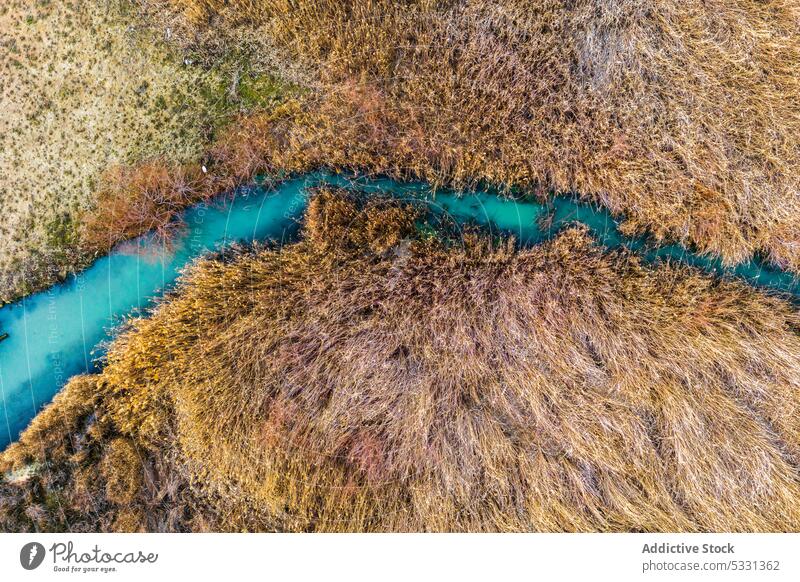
[(60, 332)]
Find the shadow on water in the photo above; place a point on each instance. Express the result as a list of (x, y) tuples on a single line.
[(60, 332)]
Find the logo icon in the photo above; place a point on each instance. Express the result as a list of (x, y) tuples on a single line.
[(31, 555)]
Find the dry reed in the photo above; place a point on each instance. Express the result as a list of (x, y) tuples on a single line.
[(683, 116), (367, 379)]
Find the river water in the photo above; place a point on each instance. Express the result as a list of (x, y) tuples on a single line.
[(60, 332)]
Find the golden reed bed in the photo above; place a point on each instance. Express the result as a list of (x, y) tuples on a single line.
[(372, 378), (682, 115)]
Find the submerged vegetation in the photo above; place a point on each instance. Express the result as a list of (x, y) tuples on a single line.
[(374, 377)]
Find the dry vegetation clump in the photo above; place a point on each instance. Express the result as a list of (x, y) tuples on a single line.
[(370, 378), (683, 116), (122, 470), (72, 471), (146, 198), (149, 197)]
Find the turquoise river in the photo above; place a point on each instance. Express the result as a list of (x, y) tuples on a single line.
[(60, 332)]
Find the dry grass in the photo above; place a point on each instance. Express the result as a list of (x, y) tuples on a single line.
[(87, 86), (79, 474), (366, 379), (684, 116)]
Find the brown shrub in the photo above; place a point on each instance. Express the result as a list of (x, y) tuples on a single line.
[(128, 521), (51, 428), (336, 221), (122, 469), (72, 471), (144, 198)]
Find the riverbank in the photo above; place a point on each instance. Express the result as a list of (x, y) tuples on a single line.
[(681, 116), (364, 108), (90, 86)]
